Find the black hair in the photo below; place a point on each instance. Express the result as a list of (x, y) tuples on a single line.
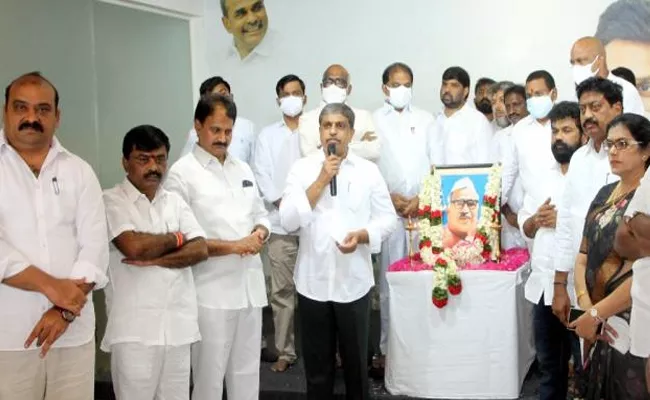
[(385, 77), (209, 84), (36, 75), (482, 82), (625, 20), (626, 74), (565, 110), (638, 126), (286, 79), (144, 138), (516, 89), (337, 108), (542, 74), (458, 74), (613, 92), (207, 104)]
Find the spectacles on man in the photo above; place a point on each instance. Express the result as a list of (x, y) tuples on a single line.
[(619, 144), (460, 203), (340, 82)]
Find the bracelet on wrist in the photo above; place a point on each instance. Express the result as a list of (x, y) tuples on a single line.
[(179, 239), (560, 283)]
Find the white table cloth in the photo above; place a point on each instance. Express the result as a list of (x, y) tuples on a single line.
[(478, 347)]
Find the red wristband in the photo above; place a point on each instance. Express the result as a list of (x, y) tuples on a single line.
[(179, 239)]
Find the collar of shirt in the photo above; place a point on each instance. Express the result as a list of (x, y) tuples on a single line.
[(387, 108), (55, 147), (264, 48), (134, 194), (206, 159), (349, 160), (591, 149)]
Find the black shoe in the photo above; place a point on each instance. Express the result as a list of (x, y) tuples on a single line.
[(268, 356), (376, 370)]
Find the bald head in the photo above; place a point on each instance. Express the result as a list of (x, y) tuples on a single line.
[(589, 50), (336, 71)]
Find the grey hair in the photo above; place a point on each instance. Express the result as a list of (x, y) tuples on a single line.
[(337, 108), (499, 86)]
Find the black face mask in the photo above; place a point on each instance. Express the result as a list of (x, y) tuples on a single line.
[(563, 152), (484, 106)]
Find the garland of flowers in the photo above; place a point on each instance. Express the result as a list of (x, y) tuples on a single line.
[(445, 262)]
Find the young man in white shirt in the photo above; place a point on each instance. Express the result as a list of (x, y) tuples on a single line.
[(335, 88), (463, 135), (483, 99), (53, 252), (538, 215), (277, 148), (589, 59), (601, 100), (243, 135), (231, 291), (342, 209), (405, 132), (150, 299)]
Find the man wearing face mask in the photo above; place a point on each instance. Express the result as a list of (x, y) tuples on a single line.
[(462, 135), (405, 133), (335, 88), (531, 157), (588, 59), (502, 145), (277, 148), (482, 97), (243, 135), (539, 215)]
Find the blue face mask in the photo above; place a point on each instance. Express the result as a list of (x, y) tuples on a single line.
[(539, 106)]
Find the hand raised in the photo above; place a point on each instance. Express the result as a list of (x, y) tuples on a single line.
[(330, 167)]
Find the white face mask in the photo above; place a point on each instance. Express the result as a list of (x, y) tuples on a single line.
[(291, 105), (583, 72), (400, 97), (539, 106), (334, 94)]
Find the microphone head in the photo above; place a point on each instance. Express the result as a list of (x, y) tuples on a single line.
[(331, 149)]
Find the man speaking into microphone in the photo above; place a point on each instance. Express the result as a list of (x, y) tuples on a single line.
[(341, 207)]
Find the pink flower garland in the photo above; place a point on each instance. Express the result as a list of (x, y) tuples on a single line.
[(511, 260)]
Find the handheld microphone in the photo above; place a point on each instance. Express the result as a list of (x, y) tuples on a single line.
[(331, 149)]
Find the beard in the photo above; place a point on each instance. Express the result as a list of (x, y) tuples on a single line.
[(502, 122), (563, 152), (452, 102), (484, 106)]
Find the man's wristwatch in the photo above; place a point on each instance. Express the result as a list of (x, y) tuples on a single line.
[(67, 315), (594, 314)]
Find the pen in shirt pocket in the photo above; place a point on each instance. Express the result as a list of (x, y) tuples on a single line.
[(55, 186)]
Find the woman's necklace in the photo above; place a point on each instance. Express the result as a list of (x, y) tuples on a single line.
[(618, 193)]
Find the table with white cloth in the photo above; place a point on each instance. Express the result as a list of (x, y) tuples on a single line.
[(479, 346)]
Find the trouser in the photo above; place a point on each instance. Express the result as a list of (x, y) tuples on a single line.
[(321, 324), (553, 346), (142, 372), (392, 249), (229, 349), (64, 374), (282, 253)]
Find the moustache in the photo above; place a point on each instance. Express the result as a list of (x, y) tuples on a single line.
[(589, 121), (255, 26), (153, 173), (31, 125), (220, 144)]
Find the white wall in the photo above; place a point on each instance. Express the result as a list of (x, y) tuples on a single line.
[(502, 39)]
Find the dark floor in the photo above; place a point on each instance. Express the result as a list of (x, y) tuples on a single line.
[(290, 385)]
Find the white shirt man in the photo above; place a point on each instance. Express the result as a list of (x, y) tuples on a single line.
[(463, 138), (405, 132), (230, 285), (242, 145), (56, 223)]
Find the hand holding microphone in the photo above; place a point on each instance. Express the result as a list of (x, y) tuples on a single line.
[(331, 168)]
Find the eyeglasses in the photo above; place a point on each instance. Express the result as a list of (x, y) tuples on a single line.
[(340, 82), (619, 144), (460, 203)]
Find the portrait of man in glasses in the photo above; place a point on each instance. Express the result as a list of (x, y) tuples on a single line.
[(462, 209)]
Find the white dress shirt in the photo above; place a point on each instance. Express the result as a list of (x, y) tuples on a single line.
[(153, 306), (276, 150), (632, 102), (310, 134), (227, 204), (589, 171), (640, 319), (322, 272), (55, 222), (241, 146), (540, 281), (530, 158), (463, 138), (405, 155)]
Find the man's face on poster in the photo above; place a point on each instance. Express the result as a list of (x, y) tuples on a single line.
[(635, 56), (462, 212), (246, 21)]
